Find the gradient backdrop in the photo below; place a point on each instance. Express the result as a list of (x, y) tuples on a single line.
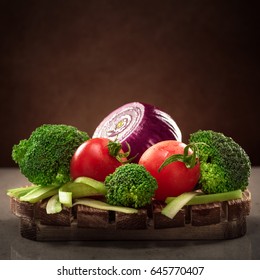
[(74, 62)]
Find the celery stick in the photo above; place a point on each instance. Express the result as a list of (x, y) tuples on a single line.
[(210, 198), (65, 198), (21, 191), (104, 206), (53, 205), (38, 193), (75, 190), (99, 186), (173, 207)]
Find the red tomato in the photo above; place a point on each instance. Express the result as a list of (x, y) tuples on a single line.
[(92, 159), (175, 178)]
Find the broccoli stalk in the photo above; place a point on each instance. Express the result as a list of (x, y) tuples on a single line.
[(44, 158), (131, 185)]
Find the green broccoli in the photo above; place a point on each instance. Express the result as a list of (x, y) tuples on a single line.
[(131, 185), (44, 158), (224, 165)]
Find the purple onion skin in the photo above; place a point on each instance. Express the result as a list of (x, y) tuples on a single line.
[(155, 126)]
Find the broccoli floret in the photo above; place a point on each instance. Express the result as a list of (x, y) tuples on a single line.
[(131, 185), (224, 164), (44, 158)]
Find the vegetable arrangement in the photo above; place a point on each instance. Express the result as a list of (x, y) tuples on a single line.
[(135, 156)]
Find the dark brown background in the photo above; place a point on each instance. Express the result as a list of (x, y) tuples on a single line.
[(75, 61)]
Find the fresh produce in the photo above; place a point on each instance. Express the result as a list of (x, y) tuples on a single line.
[(66, 167), (224, 170), (34, 193), (179, 176), (131, 185), (140, 125), (224, 165), (97, 185), (175, 204), (80, 187), (45, 157), (74, 190), (97, 158), (104, 206), (201, 198), (54, 205), (21, 191)]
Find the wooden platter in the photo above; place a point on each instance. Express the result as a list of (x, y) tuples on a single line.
[(213, 221)]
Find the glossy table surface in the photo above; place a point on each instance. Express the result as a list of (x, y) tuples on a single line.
[(13, 246)]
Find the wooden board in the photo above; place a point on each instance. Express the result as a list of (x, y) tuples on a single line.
[(214, 221)]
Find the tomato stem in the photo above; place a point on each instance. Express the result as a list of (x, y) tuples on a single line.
[(190, 160), (114, 148)]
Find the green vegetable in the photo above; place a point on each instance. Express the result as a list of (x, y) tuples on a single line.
[(53, 205), (224, 165), (131, 185), (201, 198), (44, 158), (39, 193), (75, 190), (174, 204), (104, 206), (99, 186), (21, 191), (172, 208)]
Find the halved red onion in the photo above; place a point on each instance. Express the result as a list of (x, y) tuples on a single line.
[(140, 125)]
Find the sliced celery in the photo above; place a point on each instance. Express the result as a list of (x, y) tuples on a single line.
[(65, 198), (210, 198), (173, 207), (21, 191), (104, 206), (53, 205), (38, 193), (99, 186), (75, 190)]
